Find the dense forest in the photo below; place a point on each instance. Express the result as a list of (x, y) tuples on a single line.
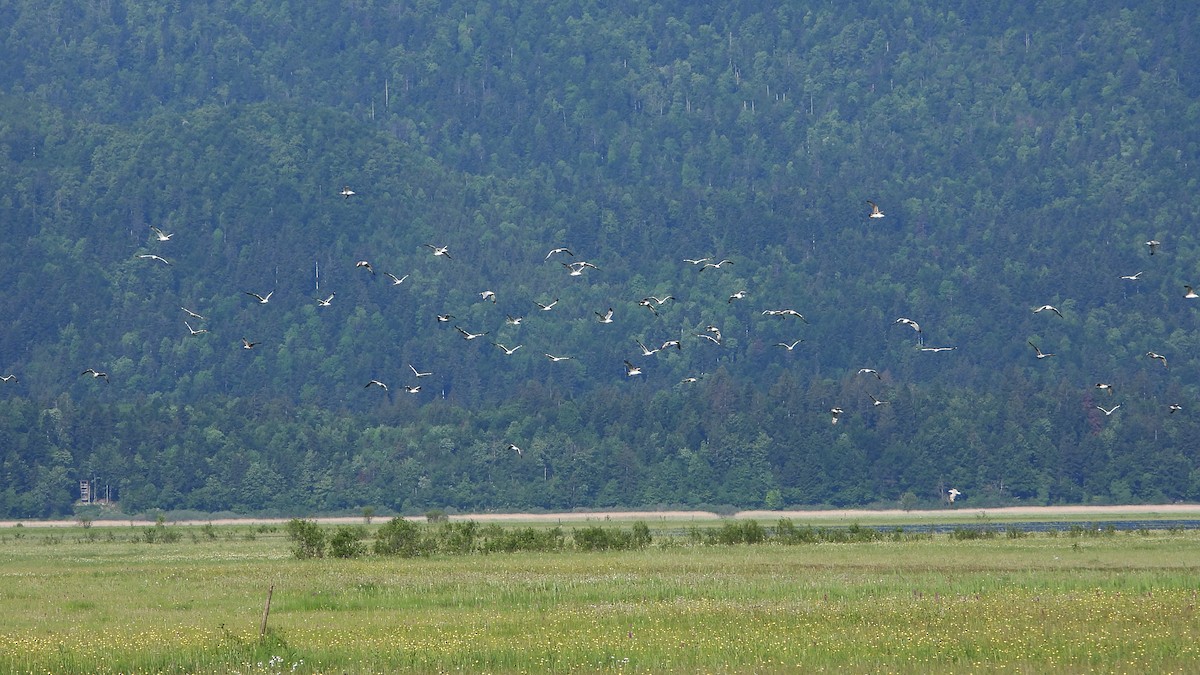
[(164, 163)]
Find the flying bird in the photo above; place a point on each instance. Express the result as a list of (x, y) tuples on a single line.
[(1153, 245), (875, 212), (546, 308), (160, 235), (396, 281), (648, 304), (346, 192), (872, 371), (9, 378), (697, 261), (246, 344), (787, 346), (194, 331), (1189, 293), (151, 256), (631, 370), (1040, 354), (938, 349), (418, 373), (875, 401), (488, 295), (1160, 357), (411, 389), (736, 296), (952, 495), (262, 299), (784, 312), (671, 343), (605, 317), (95, 373), (689, 380), (445, 318), (440, 250), (1132, 277), (577, 268), (1108, 411), (365, 264), (560, 249), (1047, 308), (327, 301), (908, 322), (192, 314), (716, 265), (471, 336), (556, 359), (376, 383), (706, 336), (1105, 387), (512, 446), (835, 412), (1174, 407), (645, 351), (507, 351), (514, 320)]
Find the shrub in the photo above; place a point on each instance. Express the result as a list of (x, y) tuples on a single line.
[(458, 537), (347, 542), (497, 539), (596, 538), (399, 537), (161, 534), (857, 532), (308, 539), (748, 532), (786, 532), (641, 535), (966, 533)]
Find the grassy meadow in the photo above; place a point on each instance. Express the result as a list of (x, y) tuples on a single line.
[(108, 600)]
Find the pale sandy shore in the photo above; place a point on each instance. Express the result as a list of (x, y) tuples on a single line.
[(1165, 511)]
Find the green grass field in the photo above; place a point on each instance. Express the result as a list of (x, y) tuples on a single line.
[(104, 600)]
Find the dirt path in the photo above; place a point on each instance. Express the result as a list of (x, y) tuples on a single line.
[(843, 515)]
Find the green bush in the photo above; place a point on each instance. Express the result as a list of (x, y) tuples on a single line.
[(786, 532), (458, 537), (347, 542), (399, 537), (598, 538), (308, 539), (748, 532), (641, 535), (161, 534), (498, 540)]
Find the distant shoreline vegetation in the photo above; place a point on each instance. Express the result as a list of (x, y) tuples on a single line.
[(409, 539)]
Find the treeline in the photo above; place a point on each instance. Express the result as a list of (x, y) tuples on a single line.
[(1022, 153)]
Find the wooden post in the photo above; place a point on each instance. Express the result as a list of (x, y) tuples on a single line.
[(262, 629)]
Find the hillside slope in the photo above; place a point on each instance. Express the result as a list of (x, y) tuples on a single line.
[(1022, 155)]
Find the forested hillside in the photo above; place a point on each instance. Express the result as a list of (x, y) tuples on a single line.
[(164, 163)]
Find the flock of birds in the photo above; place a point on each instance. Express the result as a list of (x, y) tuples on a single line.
[(711, 335)]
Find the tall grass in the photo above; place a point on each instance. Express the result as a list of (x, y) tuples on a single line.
[(1118, 603)]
